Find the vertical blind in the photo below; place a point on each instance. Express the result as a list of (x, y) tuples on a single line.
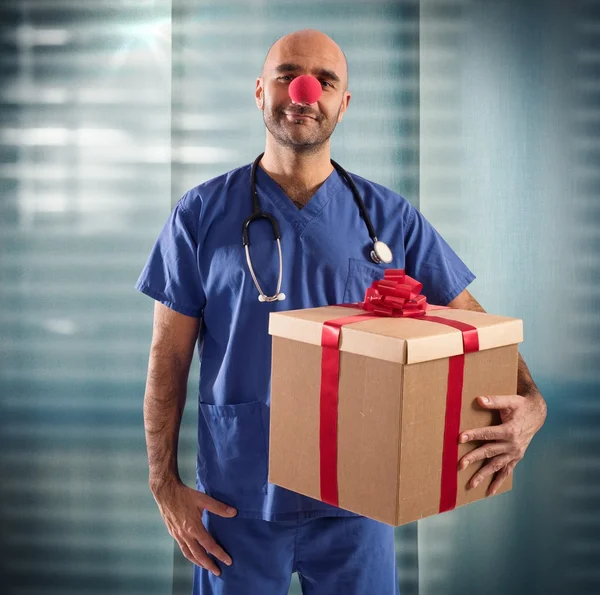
[(509, 175), (85, 181)]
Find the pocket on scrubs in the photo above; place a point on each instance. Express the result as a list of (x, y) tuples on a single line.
[(361, 273), (232, 452)]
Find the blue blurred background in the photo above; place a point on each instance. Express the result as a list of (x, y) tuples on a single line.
[(484, 114)]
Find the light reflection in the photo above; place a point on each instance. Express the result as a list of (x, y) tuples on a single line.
[(142, 40)]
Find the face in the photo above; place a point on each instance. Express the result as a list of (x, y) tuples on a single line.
[(300, 126)]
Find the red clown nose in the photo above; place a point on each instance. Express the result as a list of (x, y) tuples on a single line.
[(305, 89)]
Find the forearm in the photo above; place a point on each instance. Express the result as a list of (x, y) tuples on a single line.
[(163, 408), (525, 384), (526, 387)]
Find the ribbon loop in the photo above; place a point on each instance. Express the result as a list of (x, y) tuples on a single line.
[(396, 295)]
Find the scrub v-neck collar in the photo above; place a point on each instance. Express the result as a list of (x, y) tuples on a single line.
[(267, 187)]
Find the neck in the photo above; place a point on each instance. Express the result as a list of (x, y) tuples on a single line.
[(304, 172)]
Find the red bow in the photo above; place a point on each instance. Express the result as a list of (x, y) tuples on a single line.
[(395, 295)]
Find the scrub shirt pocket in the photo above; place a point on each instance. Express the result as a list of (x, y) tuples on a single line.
[(232, 455), (361, 274)]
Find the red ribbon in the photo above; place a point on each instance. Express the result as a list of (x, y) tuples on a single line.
[(396, 295)]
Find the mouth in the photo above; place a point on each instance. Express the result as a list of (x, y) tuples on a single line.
[(299, 116)]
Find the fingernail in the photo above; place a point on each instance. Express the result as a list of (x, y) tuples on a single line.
[(230, 510), (464, 464), (475, 483), (228, 562), (485, 400), (464, 438)]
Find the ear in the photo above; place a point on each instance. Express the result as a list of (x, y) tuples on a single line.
[(259, 93), (345, 103)]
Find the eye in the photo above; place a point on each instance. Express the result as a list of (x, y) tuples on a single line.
[(326, 83), (286, 78)]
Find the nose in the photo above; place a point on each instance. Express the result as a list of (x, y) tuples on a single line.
[(305, 89)]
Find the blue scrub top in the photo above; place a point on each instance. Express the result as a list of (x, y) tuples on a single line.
[(198, 267)]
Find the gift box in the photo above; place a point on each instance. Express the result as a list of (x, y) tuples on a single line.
[(368, 400)]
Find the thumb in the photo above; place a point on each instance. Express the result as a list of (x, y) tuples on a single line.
[(499, 401), (217, 507)]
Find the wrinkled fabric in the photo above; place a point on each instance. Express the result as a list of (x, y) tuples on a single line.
[(198, 267), (332, 556)]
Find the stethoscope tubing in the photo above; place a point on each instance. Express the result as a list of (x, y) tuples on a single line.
[(257, 213)]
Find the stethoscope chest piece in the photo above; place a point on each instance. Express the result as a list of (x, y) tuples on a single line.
[(279, 297), (381, 253)]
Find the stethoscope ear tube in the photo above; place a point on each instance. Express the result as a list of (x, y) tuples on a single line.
[(274, 224), (358, 198), (381, 252)]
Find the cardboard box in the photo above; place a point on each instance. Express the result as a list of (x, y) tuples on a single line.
[(392, 409)]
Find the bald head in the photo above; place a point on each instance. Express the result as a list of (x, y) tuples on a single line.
[(308, 44), (299, 126)]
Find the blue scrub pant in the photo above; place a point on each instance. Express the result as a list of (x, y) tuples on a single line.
[(332, 556)]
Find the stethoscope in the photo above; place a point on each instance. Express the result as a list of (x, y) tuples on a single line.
[(303, 92), (380, 252)]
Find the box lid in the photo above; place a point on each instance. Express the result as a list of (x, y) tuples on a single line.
[(400, 340)]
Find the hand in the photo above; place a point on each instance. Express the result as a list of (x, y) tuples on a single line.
[(521, 418), (181, 508)]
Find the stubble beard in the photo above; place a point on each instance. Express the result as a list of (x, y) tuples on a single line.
[(283, 131)]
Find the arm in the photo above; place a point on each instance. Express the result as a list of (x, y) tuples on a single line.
[(526, 387), (173, 340), (522, 417), (181, 507)]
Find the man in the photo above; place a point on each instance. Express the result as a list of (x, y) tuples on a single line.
[(244, 535)]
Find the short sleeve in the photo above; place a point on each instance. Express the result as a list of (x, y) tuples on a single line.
[(171, 275), (431, 261)]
